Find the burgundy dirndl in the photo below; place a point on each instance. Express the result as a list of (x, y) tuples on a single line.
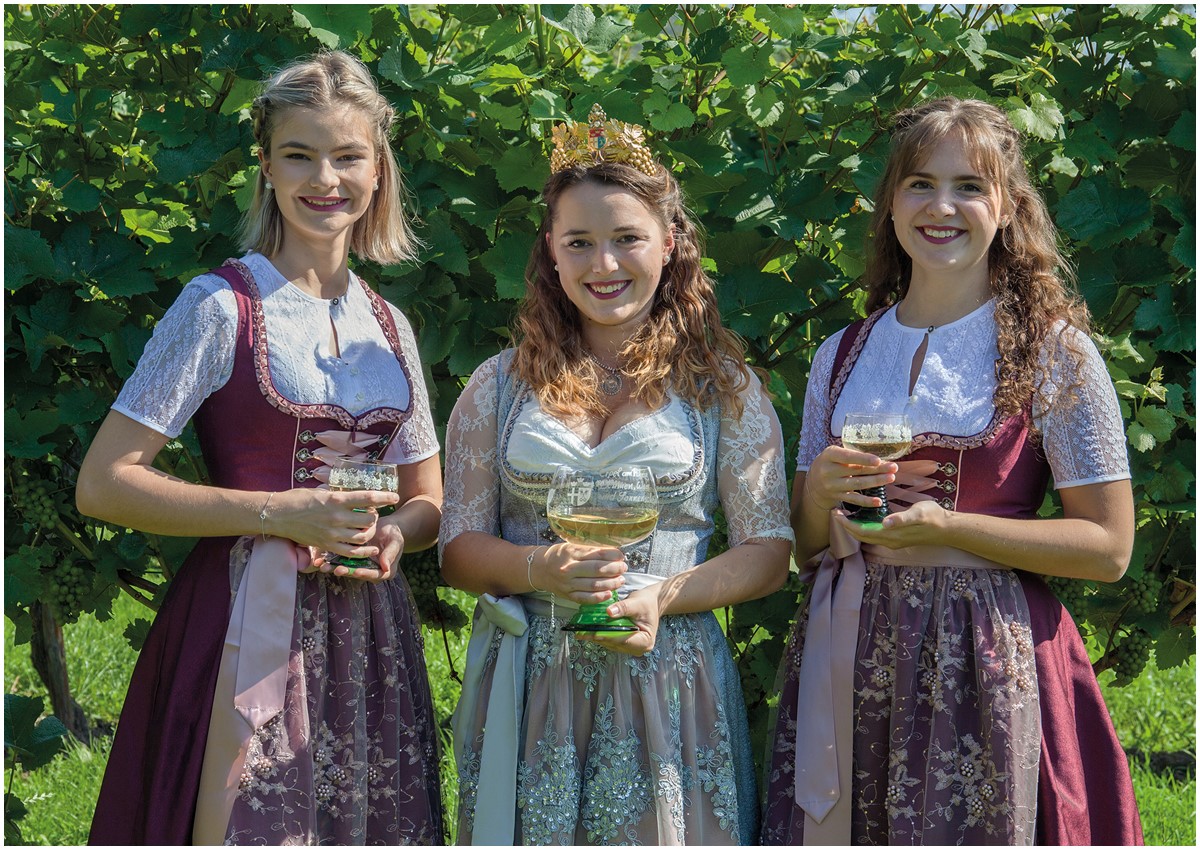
[(353, 757), (948, 653)]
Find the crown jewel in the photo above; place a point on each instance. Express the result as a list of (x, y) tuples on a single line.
[(601, 140)]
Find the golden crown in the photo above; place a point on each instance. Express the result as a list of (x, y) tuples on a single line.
[(601, 140)]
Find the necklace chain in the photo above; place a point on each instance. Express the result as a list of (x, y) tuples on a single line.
[(611, 384)]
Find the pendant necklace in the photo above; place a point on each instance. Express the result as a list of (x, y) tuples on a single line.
[(611, 383)]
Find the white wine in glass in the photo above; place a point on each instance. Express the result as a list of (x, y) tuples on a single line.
[(616, 506), (888, 436), (347, 475)]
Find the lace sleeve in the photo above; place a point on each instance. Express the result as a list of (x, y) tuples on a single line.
[(188, 358), (417, 439), (1084, 437), (814, 426), (750, 475), (472, 485)]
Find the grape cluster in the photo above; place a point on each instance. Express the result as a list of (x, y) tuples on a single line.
[(421, 570), (1144, 592), (68, 586), (742, 34), (439, 612), (32, 497), (1071, 592), (1131, 655), (424, 578)]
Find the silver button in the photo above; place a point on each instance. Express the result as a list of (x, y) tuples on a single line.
[(307, 436), (303, 455), (302, 474)]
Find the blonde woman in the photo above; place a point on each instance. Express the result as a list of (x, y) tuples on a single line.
[(280, 699)]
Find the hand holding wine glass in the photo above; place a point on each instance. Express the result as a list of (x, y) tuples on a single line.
[(888, 436), (347, 475), (617, 506)]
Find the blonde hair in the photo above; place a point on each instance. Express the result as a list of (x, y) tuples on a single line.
[(682, 343), (1031, 281), (327, 79)]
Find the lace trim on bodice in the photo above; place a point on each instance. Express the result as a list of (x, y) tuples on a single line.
[(671, 486), (337, 413)]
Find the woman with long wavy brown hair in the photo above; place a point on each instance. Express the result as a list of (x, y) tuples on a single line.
[(620, 358), (934, 690)]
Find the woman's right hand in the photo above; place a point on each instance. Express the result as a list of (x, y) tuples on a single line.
[(838, 473), (338, 523), (584, 574)]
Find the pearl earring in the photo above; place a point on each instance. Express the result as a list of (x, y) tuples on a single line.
[(268, 185), (556, 266), (666, 259)]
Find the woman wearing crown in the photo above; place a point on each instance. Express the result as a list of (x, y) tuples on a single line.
[(620, 358)]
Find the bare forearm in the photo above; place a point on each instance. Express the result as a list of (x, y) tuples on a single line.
[(418, 520), (145, 498), (809, 522), (482, 563), (1074, 548), (748, 571)]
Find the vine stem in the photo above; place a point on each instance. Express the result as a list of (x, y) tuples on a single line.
[(449, 656)]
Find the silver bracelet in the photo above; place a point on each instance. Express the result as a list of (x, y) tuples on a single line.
[(262, 516), (529, 570)]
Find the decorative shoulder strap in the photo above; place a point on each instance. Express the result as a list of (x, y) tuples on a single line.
[(852, 341), (232, 273), (849, 346)]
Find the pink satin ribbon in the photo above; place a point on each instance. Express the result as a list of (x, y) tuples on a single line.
[(825, 693), (252, 679)]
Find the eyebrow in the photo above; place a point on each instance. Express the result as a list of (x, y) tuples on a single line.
[(626, 228), (977, 177), (348, 146)]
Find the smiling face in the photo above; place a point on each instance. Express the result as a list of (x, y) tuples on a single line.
[(610, 250), (946, 214), (323, 165)]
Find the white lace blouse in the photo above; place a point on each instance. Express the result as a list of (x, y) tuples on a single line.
[(190, 356), (1084, 440), (751, 486)]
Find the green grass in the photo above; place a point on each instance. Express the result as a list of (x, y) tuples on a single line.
[(1156, 713)]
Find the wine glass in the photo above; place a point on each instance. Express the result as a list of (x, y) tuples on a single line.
[(616, 506), (346, 475), (888, 436)]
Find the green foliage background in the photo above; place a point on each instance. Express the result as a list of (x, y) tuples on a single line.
[(128, 160)]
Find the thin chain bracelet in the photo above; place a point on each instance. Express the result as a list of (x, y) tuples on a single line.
[(529, 578), (262, 517)]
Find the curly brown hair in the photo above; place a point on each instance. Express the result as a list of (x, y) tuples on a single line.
[(1031, 281), (681, 345)]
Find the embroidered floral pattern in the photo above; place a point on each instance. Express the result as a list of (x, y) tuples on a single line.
[(353, 756), (947, 726)]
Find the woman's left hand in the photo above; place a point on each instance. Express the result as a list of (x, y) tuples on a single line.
[(641, 606), (922, 524), (390, 541)]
